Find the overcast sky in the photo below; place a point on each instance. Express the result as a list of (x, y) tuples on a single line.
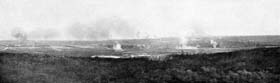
[(153, 17)]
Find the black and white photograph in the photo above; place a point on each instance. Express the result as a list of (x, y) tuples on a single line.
[(139, 41)]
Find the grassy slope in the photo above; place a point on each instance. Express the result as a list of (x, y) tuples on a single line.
[(258, 65)]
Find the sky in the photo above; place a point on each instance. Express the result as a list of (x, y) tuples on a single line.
[(120, 19)]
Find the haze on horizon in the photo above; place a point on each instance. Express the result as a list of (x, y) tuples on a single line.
[(125, 19)]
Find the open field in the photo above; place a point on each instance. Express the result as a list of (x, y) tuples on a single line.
[(257, 65), (236, 59), (139, 46)]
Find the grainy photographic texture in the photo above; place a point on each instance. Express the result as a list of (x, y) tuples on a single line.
[(139, 41)]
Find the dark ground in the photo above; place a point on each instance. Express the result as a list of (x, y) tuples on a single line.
[(256, 66)]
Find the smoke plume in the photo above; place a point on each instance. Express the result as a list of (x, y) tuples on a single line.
[(102, 29), (19, 34), (43, 34)]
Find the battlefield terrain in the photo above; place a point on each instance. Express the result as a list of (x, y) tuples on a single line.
[(163, 60)]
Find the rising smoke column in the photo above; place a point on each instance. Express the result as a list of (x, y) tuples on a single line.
[(78, 31), (197, 29), (103, 29), (81, 31), (117, 28), (191, 33), (19, 34), (43, 34)]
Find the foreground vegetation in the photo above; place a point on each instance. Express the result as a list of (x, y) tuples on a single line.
[(258, 65)]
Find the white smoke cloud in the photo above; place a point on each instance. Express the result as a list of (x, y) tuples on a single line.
[(102, 29), (154, 18), (43, 34), (19, 34)]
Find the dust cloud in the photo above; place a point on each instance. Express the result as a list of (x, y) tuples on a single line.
[(19, 34), (43, 34), (102, 29)]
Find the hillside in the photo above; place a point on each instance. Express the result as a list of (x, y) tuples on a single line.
[(257, 65)]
